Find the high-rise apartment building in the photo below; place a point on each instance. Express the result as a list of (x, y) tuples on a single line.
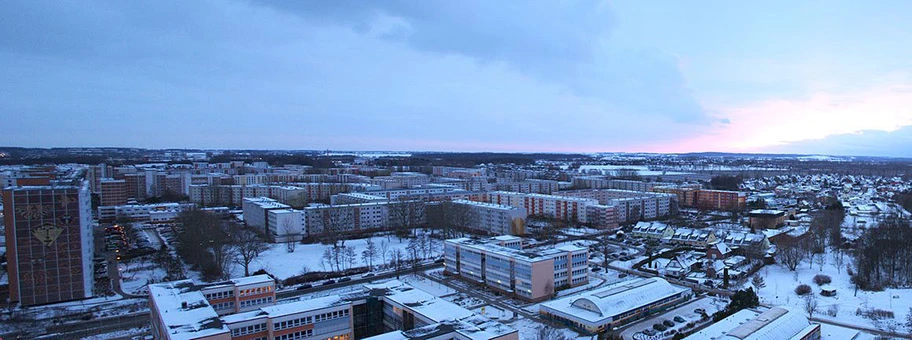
[(49, 243)]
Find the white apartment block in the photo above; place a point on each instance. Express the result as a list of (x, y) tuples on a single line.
[(495, 219), (528, 274), (285, 225), (256, 211)]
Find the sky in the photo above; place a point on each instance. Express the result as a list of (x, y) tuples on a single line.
[(815, 77)]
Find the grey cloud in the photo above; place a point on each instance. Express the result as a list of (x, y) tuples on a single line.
[(567, 43), (896, 143)]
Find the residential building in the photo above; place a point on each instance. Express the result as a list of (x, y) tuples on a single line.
[(720, 199), (285, 225), (615, 305), (528, 274), (113, 192), (256, 211), (766, 219), (553, 206), (494, 218), (49, 243)]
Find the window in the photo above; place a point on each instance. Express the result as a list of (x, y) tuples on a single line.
[(295, 335), (248, 330)]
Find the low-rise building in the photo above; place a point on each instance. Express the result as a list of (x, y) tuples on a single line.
[(528, 274), (766, 219), (154, 213), (615, 305), (753, 324)]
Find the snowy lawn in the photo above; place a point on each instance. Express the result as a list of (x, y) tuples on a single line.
[(781, 283), (309, 257)]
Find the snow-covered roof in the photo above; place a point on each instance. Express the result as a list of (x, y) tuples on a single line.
[(747, 324), (472, 328), (599, 305), (419, 301), (184, 311)]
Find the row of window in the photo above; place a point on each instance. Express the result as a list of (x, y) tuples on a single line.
[(248, 329), (255, 302), (223, 305), (295, 335), (255, 291), (219, 295)]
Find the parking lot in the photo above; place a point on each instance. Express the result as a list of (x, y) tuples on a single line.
[(683, 318)]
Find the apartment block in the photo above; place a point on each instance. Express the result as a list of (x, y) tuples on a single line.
[(49, 243), (492, 218), (528, 274), (113, 192), (285, 225), (256, 211), (554, 206)]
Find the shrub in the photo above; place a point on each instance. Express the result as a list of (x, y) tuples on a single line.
[(821, 279), (803, 290)]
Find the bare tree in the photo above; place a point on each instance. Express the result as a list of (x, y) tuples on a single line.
[(247, 247), (327, 259), (384, 251), (292, 235), (336, 222), (820, 260), (838, 259), (406, 215), (549, 333), (351, 258), (791, 252), (758, 282), (810, 304), (397, 258), (369, 253)]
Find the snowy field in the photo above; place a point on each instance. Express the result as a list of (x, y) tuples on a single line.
[(641, 170), (136, 274), (780, 290), (308, 257)]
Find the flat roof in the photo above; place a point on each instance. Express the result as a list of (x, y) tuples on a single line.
[(419, 301), (184, 311)]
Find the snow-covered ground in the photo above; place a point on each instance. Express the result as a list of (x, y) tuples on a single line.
[(308, 257), (781, 283), (528, 330), (136, 274)]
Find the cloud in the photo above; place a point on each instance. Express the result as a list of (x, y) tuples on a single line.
[(864, 143), (762, 125), (538, 38), (227, 74)]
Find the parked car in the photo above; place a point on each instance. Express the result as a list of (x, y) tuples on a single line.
[(700, 311), (304, 286), (622, 275), (659, 327), (329, 282), (345, 279), (597, 269), (649, 332), (438, 261), (668, 323), (368, 275), (678, 318)]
